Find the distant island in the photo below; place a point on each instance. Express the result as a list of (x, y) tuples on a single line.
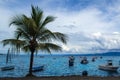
[(90, 54), (2, 54), (93, 54), (102, 54)]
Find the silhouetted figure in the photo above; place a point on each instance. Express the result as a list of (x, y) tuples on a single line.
[(101, 57), (93, 59), (84, 73), (110, 62), (71, 61), (84, 61)]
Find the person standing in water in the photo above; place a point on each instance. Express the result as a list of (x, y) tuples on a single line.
[(71, 61)]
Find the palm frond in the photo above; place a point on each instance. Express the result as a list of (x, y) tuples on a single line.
[(17, 20), (48, 47), (19, 33), (26, 48), (45, 35), (30, 27), (14, 42), (25, 23), (37, 15), (61, 37), (47, 20)]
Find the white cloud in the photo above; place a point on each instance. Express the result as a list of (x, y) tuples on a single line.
[(89, 29), (87, 20), (88, 43), (97, 35)]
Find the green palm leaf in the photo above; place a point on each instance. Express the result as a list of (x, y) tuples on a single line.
[(13, 42), (48, 47), (47, 20)]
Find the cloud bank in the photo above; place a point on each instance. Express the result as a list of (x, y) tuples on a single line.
[(91, 25)]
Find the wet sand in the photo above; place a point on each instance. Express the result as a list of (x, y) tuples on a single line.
[(64, 78)]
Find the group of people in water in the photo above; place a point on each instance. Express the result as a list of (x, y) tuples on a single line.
[(83, 60)]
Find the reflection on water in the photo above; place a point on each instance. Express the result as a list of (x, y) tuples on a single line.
[(58, 66)]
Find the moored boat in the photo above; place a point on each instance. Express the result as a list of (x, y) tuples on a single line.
[(108, 67), (39, 68), (84, 61), (5, 68)]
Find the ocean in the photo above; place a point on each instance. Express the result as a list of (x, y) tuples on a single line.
[(57, 65)]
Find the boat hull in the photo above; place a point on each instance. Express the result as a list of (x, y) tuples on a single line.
[(36, 69), (108, 68), (6, 68)]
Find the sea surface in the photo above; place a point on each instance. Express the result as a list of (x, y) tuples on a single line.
[(58, 65)]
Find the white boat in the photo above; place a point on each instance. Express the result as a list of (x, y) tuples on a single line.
[(108, 67)]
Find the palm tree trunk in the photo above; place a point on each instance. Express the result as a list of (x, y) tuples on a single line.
[(31, 64)]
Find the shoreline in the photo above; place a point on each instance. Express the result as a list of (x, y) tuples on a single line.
[(63, 78)]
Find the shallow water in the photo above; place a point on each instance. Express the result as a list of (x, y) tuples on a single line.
[(57, 66)]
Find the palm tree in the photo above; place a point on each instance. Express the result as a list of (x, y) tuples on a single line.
[(32, 35)]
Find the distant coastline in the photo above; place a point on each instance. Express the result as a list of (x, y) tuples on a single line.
[(90, 54), (2, 54), (77, 54)]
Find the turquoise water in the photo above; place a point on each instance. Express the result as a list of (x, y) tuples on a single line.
[(57, 66)]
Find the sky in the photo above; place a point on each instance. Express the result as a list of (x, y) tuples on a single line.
[(93, 26)]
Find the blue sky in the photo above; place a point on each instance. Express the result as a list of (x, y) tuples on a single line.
[(92, 25)]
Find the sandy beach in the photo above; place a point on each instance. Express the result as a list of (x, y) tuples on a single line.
[(64, 78)]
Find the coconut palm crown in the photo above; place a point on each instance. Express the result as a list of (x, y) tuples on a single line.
[(31, 34)]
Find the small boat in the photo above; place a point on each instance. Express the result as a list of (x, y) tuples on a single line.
[(108, 67), (84, 61), (39, 68), (5, 68)]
